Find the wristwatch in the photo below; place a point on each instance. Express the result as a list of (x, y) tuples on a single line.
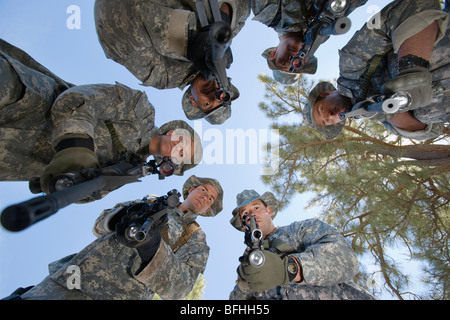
[(292, 268), (411, 61)]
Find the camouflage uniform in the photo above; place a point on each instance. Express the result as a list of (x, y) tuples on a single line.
[(109, 270), (288, 16), (383, 36), (27, 93), (35, 123), (150, 38), (328, 262)]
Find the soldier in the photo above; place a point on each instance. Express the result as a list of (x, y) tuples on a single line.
[(158, 42), (167, 263), (406, 50), (306, 260), (50, 127), (290, 19)]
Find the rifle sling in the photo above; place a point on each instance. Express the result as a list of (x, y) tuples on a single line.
[(369, 74), (115, 138), (185, 236)]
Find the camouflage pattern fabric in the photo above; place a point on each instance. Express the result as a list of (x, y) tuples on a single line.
[(383, 37), (38, 108), (328, 265), (80, 109), (287, 16), (27, 93), (150, 37), (109, 270)]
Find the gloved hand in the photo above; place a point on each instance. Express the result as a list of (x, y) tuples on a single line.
[(200, 54), (271, 274), (415, 81), (68, 160), (136, 215)]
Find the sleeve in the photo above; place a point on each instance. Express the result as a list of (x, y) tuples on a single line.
[(432, 130), (101, 225), (173, 275), (288, 15), (80, 109), (238, 294), (384, 33), (283, 16), (326, 258)]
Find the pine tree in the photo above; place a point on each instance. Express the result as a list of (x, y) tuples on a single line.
[(382, 191)]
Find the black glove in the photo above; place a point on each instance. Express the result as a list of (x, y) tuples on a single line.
[(200, 54), (134, 218)]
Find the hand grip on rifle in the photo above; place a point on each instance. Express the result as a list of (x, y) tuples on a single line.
[(329, 20), (144, 219), (398, 102), (221, 56), (254, 240)]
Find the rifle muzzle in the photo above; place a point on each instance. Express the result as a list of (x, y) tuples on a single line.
[(340, 26)]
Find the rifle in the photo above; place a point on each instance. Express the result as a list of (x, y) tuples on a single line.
[(220, 35), (398, 102), (395, 103), (147, 215), (72, 187), (253, 238), (329, 19)]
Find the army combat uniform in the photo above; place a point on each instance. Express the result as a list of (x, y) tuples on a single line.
[(109, 270), (27, 93), (288, 16), (36, 122), (328, 263), (382, 36), (150, 37)]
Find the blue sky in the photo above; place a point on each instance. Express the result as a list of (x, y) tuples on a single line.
[(40, 28)]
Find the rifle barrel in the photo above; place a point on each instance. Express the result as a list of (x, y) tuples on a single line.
[(20, 216)]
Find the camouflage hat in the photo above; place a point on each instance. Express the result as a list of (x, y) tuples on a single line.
[(180, 127), (247, 196), (217, 116), (194, 181), (328, 132), (284, 77)]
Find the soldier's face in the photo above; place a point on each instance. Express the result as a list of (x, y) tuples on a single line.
[(288, 47), (262, 214), (203, 94), (177, 146), (326, 110), (201, 198)]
